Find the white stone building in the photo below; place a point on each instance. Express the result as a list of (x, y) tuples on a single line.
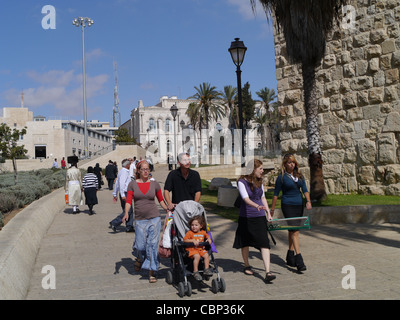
[(153, 128), (54, 138)]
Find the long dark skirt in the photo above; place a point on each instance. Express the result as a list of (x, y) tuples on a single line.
[(90, 196), (252, 232)]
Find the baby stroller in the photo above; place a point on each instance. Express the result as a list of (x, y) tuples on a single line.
[(182, 265)]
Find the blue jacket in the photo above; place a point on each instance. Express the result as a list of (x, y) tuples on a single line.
[(291, 194)]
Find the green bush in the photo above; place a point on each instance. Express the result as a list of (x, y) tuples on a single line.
[(32, 185)]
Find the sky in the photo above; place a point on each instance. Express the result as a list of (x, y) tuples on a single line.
[(160, 47)]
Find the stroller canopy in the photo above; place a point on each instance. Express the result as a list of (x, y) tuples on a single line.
[(183, 212)]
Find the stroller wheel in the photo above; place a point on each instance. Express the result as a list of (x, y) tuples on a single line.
[(170, 278), (189, 289), (181, 289), (214, 286), (222, 285), (218, 285)]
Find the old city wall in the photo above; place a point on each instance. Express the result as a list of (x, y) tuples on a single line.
[(358, 95)]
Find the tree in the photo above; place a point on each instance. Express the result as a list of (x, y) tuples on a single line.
[(207, 102), (261, 119), (122, 135), (305, 25), (229, 96), (9, 148), (268, 96), (248, 104)]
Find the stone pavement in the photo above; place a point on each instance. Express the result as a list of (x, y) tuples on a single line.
[(94, 263)]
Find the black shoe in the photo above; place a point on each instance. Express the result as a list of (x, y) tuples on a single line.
[(269, 277), (130, 229), (112, 227), (300, 263), (290, 261)]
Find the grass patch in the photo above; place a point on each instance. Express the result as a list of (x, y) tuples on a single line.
[(209, 199)]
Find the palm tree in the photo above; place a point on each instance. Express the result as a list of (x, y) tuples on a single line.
[(261, 119), (228, 97), (207, 102), (305, 24), (268, 96)]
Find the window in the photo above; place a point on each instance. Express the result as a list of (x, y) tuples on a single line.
[(168, 125), (152, 125)]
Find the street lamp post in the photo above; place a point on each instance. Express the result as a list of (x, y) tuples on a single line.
[(83, 22), (237, 51), (174, 112)]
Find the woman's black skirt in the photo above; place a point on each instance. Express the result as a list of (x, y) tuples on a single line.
[(292, 211), (90, 196), (252, 232)]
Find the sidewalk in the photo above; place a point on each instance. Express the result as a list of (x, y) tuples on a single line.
[(93, 262)]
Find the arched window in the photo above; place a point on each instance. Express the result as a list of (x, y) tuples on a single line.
[(152, 125)]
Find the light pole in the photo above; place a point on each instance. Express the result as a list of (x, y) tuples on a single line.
[(237, 51), (182, 125), (83, 22), (174, 112)]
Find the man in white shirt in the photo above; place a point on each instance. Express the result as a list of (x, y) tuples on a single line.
[(120, 188)]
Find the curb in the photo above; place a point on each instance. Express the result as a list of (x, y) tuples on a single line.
[(374, 214), (20, 242)]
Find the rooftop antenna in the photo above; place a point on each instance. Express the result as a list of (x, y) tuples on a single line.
[(116, 113), (22, 99)]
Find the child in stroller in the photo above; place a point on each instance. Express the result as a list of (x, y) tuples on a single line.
[(182, 265), (196, 235)]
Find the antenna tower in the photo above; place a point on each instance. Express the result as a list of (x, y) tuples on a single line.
[(116, 113)]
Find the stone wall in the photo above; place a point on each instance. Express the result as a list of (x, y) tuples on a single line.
[(358, 94)]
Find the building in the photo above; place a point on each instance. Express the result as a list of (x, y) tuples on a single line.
[(153, 128), (57, 138)]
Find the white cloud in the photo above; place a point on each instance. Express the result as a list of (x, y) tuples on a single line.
[(58, 88), (245, 9)]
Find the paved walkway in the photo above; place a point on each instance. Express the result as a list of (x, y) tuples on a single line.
[(93, 262)]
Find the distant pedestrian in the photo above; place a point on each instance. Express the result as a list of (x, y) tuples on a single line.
[(55, 164), (292, 183), (73, 184), (99, 173), (90, 185), (110, 173), (63, 164)]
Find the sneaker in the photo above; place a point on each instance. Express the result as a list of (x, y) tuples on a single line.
[(208, 272), (197, 276)]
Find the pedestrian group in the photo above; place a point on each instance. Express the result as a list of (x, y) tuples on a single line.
[(138, 191)]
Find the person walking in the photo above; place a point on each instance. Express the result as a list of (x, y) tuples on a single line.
[(63, 164), (110, 173), (90, 185), (292, 184), (143, 192), (252, 230), (99, 173), (184, 183), (73, 184), (120, 188)]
